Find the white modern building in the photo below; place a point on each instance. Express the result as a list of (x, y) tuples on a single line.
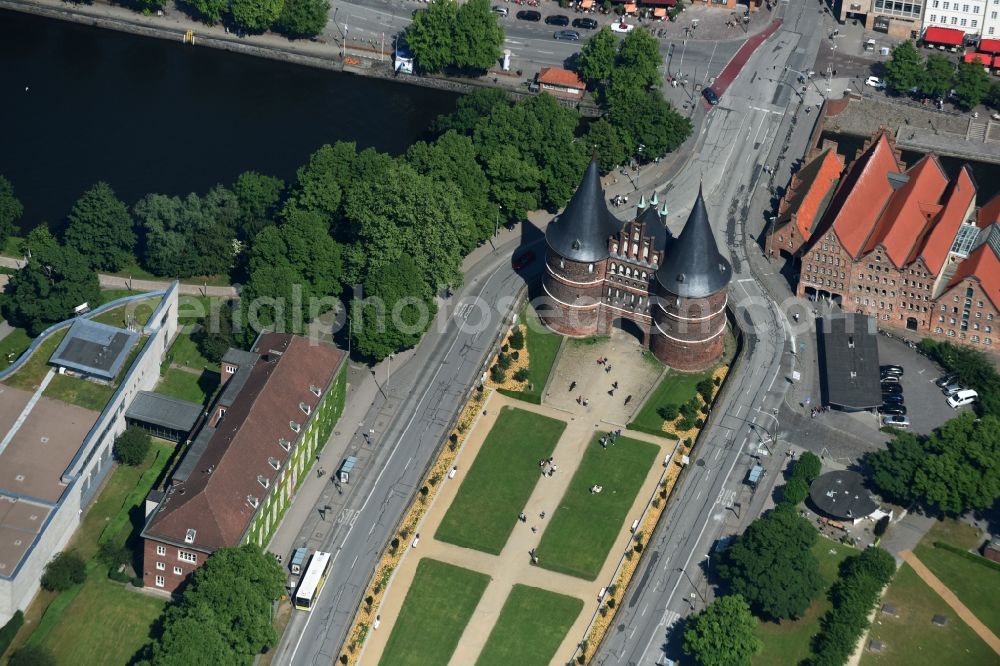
[(991, 19), (969, 16)]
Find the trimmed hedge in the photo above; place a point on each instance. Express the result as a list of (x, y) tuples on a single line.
[(10, 630), (651, 431), (972, 557)]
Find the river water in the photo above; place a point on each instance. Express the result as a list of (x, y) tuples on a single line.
[(81, 104)]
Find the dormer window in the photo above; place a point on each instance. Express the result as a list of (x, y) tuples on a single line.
[(190, 535), (253, 501), (274, 462), (230, 369), (306, 409), (263, 480), (294, 426), (284, 443), (590, 268), (315, 390)]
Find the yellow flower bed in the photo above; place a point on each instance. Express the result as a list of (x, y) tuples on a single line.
[(520, 362), (670, 426), (361, 626)]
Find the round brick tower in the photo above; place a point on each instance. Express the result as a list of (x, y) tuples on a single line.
[(576, 259), (689, 315)]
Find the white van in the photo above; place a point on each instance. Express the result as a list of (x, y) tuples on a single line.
[(964, 397)]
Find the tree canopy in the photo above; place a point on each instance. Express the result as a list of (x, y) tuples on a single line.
[(132, 446), (772, 566), (303, 18), (597, 57), (101, 229), (256, 15), (10, 210), (64, 571), (209, 11), (903, 70), (937, 77), (606, 139), (320, 184), (447, 34), (470, 109), (972, 84), (257, 196), (639, 56), (723, 633)]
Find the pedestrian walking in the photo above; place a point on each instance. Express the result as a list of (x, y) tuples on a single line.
[(572, 385), (614, 385), (628, 399), (542, 515), (607, 368), (611, 392), (522, 517)]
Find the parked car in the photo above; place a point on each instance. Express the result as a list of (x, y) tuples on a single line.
[(966, 397), (896, 421), (892, 388), (585, 23), (567, 35), (523, 260), (622, 27), (529, 15), (892, 410), (875, 82), (892, 398), (890, 379), (502, 11), (946, 379), (557, 19), (951, 389), (891, 370), (710, 96)]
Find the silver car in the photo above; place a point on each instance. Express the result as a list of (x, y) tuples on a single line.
[(896, 421)]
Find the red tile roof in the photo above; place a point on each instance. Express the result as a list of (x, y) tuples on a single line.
[(862, 195), (983, 265), (983, 58), (556, 76), (827, 173), (958, 199), (910, 211), (946, 36), (214, 498), (989, 213), (989, 46)]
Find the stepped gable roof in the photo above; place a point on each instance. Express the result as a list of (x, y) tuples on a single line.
[(692, 266), (910, 211), (654, 227), (863, 194), (811, 192), (581, 233), (938, 240), (990, 213), (983, 265)]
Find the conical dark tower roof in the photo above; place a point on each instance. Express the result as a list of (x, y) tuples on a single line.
[(581, 233), (692, 266)]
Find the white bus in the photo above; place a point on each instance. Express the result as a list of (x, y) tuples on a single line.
[(313, 580)]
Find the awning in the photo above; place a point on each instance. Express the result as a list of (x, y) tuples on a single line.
[(989, 46), (659, 12), (996, 62), (586, 4), (946, 36), (659, 3), (982, 58), (629, 7)]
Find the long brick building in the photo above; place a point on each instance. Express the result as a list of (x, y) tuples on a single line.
[(907, 246), (601, 273)]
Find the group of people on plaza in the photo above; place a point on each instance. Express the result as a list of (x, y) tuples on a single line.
[(548, 468)]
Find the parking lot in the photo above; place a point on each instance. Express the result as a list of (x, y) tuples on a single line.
[(926, 406)]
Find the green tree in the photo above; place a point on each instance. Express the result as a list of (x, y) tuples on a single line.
[(639, 55), (215, 335), (895, 467), (257, 196), (101, 229), (431, 35), (320, 184), (256, 15), (993, 99), (644, 118), (937, 77), (597, 57), (605, 138), (807, 467), (189, 237), (470, 109), (132, 446), (904, 69), (209, 11), (303, 18), (10, 210), (972, 84), (772, 566), (795, 491), (192, 634), (64, 571), (32, 655), (723, 633), (477, 36), (55, 280)]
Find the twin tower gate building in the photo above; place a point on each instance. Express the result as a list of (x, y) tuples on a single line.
[(600, 273)]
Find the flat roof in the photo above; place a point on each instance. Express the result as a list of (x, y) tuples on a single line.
[(163, 411), (94, 349), (842, 494), (848, 361)]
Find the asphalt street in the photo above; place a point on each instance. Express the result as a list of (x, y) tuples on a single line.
[(741, 135)]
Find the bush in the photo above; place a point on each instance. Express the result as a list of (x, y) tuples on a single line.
[(113, 555), (684, 423), (808, 467), (668, 412), (717, 381), (119, 576), (10, 630), (795, 491), (132, 446), (522, 375), (706, 388), (699, 423), (32, 655), (497, 374), (64, 571), (504, 361), (517, 339), (515, 355)]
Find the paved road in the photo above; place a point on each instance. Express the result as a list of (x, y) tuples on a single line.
[(741, 135)]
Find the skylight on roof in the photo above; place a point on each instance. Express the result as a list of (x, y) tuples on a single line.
[(965, 239)]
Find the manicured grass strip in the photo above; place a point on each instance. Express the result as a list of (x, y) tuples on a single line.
[(911, 638), (438, 605), (975, 585), (543, 347), (13, 345), (676, 388), (194, 387), (585, 525), (532, 625), (500, 481), (788, 642), (30, 375)]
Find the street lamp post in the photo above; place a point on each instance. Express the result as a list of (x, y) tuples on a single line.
[(683, 571), (388, 372)]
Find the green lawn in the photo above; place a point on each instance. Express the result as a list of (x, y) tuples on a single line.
[(12, 346), (532, 625), (437, 607), (543, 346), (585, 525), (89, 395), (193, 311), (108, 295), (788, 642), (134, 271), (188, 385), (500, 481), (911, 638), (30, 375), (676, 388), (142, 310), (976, 585)]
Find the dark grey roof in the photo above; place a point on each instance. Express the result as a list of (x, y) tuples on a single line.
[(581, 233), (654, 228), (842, 494), (189, 463), (237, 381), (94, 349), (848, 361), (692, 266), (163, 411), (239, 357)]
